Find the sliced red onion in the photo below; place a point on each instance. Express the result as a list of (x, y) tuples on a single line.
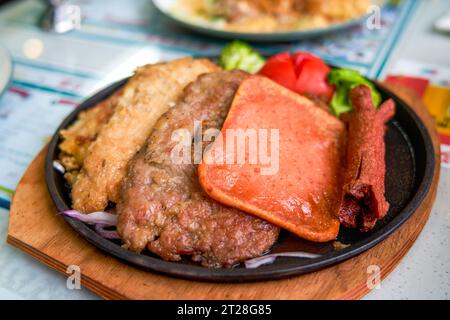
[(107, 234), (102, 218), (270, 258), (258, 262), (59, 167)]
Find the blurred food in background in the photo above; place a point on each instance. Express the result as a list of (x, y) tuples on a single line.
[(272, 15)]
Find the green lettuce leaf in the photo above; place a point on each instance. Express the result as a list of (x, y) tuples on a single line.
[(345, 80)]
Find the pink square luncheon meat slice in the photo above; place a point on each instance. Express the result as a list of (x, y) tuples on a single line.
[(295, 179)]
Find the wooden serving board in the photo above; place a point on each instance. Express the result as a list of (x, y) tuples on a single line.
[(36, 229)]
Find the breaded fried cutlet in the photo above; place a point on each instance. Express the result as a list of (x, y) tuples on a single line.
[(146, 96), (80, 135)]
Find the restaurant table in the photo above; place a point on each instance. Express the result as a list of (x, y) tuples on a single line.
[(52, 73)]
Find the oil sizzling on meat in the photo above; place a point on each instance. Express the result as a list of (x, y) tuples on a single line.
[(163, 206)]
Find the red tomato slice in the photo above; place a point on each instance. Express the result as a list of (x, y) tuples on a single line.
[(313, 79), (280, 68), (299, 58)]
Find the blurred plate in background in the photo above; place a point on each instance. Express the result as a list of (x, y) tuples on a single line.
[(167, 8), (6, 69)]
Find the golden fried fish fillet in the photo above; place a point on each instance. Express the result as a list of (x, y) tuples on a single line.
[(146, 96), (80, 135)]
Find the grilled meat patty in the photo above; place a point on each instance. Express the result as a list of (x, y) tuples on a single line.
[(163, 206)]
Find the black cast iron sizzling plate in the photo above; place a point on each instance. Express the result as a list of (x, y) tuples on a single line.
[(410, 164)]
